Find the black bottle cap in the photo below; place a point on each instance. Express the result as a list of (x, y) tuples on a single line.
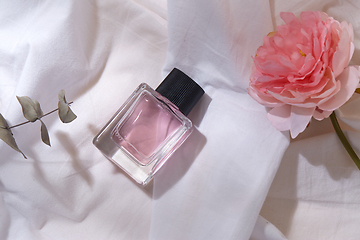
[(181, 90)]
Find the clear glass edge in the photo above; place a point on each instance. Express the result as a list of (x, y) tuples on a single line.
[(125, 106)]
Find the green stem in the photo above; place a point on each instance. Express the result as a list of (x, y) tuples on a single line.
[(343, 140)]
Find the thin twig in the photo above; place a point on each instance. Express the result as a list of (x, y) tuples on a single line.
[(23, 123), (17, 125), (343, 140)]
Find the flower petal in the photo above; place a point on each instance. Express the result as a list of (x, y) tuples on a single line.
[(299, 119), (289, 18), (280, 117), (266, 100), (349, 80), (342, 54), (320, 114)]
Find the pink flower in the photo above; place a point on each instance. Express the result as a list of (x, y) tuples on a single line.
[(301, 70)]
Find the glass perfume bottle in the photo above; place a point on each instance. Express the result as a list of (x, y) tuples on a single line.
[(150, 126)]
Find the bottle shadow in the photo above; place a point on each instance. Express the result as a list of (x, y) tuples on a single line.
[(180, 162)]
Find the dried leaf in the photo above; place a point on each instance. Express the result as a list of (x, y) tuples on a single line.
[(31, 108), (62, 95), (7, 136), (65, 113), (44, 134)]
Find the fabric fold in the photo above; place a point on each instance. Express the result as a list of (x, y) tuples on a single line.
[(217, 194)]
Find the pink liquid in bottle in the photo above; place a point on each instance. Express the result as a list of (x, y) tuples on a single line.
[(150, 126), (146, 129)]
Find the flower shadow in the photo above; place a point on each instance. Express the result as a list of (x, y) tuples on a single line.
[(313, 159), (324, 148)]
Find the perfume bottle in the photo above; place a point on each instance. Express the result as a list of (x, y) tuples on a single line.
[(150, 126)]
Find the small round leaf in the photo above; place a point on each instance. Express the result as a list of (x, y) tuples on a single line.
[(66, 115), (30, 108), (7, 136), (44, 134)]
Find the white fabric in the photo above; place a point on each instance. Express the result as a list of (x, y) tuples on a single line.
[(218, 193), (215, 185), (265, 230)]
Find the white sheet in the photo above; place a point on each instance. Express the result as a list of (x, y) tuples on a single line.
[(215, 185)]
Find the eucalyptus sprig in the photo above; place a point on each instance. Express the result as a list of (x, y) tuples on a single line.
[(32, 112)]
